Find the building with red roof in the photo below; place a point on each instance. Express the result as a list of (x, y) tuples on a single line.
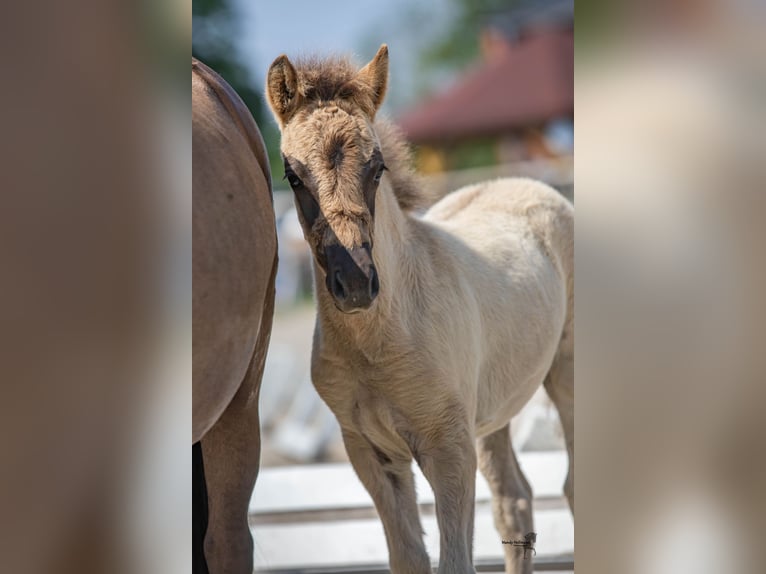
[(519, 98)]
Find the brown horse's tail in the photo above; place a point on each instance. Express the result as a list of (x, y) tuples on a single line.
[(199, 507)]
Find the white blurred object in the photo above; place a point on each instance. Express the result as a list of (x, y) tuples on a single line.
[(307, 428), (294, 257), (559, 135), (693, 531)]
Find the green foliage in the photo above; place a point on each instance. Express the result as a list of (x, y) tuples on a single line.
[(595, 19), (215, 25), (459, 46), (470, 154)]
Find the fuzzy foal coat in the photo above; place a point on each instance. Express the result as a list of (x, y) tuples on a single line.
[(475, 312)]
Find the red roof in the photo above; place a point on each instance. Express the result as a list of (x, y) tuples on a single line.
[(529, 83)]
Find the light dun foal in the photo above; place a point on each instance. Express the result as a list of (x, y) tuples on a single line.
[(432, 331)]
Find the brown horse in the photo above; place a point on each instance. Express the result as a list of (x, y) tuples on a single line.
[(432, 330), (234, 265)]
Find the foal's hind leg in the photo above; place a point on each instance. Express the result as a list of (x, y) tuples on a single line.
[(511, 496), (559, 384)]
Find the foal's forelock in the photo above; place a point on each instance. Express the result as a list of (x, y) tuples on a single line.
[(348, 214), (337, 146)]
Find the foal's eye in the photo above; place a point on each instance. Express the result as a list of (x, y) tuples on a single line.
[(379, 173), (293, 180)]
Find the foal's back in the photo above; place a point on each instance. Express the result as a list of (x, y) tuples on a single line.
[(512, 242)]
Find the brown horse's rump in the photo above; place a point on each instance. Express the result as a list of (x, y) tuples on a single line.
[(233, 272)]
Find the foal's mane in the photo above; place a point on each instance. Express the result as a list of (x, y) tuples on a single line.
[(334, 79)]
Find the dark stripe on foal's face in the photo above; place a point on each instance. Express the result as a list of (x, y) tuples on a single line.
[(295, 174), (372, 172), (350, 274), (336, 154)]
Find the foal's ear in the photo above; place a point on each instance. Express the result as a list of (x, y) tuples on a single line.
[(282, 89), (375, 76)]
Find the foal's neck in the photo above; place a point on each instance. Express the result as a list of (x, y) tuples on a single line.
[(398, 251), (394, 253), (394, 250)]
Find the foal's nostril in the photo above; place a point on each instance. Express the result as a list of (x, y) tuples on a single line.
[(338, 286), (374, 283)]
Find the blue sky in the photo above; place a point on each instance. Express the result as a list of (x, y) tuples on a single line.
[(295, 27)]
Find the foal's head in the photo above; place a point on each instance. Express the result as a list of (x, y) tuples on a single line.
[(333, 162)]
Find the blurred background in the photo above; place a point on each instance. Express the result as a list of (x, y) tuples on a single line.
[(482, 89)]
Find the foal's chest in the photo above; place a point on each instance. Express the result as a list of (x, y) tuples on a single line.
[(380, 421), (364, 401)]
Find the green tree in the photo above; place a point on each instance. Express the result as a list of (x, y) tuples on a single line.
[(214, 26), (459, 45), (452, 51)]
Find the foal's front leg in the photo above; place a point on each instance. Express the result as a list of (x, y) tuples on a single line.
[(448, 460), (392, 488)]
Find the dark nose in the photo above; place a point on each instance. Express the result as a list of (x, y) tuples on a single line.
[(351, 277)]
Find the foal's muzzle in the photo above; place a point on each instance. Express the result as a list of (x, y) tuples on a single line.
[(351, 277)]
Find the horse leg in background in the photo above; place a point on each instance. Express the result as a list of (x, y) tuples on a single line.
[(449, 464), (392, 488), (231, 450), (559, 384), (511, 496), (232, 454), (199, 507)]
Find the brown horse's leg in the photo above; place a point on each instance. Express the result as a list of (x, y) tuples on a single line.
[(199, 506), (559, 385), (511, 496), (231, 451), (392, 488)]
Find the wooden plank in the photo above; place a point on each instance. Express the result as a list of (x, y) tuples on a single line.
[(550, 564), (336, 486), (361, 543)]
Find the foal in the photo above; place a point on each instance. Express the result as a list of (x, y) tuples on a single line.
[(433, 331)]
